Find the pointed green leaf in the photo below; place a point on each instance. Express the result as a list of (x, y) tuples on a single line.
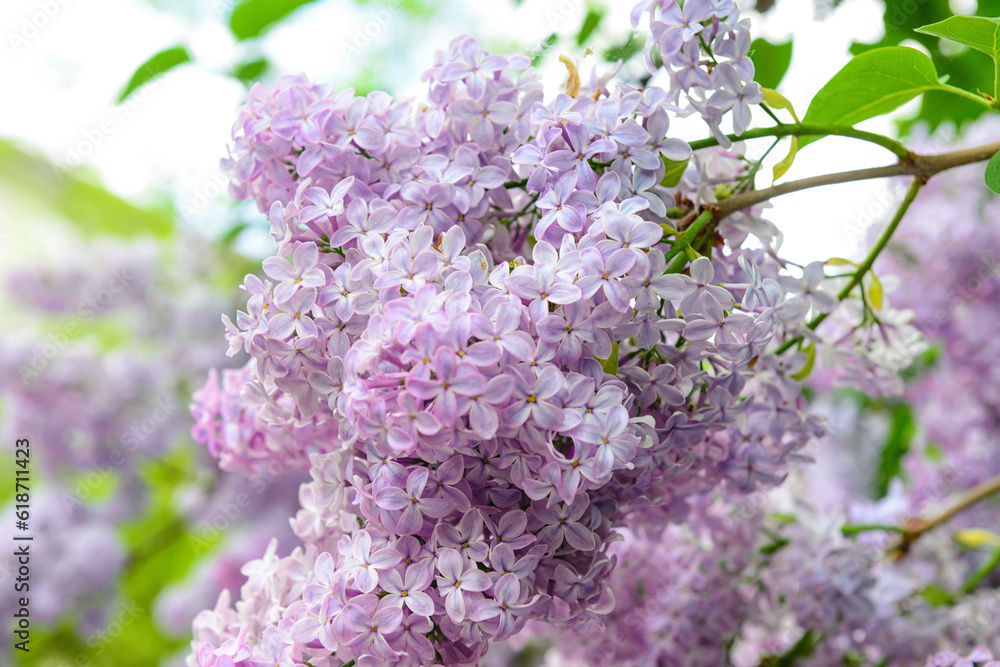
[(776, 100), (872, 84), (993, 173), (775, 546), (93, 210), (876, 293), (782, 167), (937, 596), (803, 648), (901, 432), (770, 61), (250, 71), (154, 67), (982, 34), (250, 18), (674, 171), (590, 23), (625, 50), (977, 32)]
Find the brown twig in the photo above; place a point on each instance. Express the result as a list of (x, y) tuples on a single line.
[(917, 527), (921, 166)]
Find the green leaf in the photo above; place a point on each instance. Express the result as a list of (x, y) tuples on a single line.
[(872, 84), (154, 67), (250, 18), (890, 465), (803, 648), (674, 171), (982, 34), (782, 167), (977, 32), (876, 293), (590, 23), (776, 100), (839, 261), (937, 596), (993, 173), (250, 71), (624, 51), (934, 453), (775, 546), (610, 365), (770, 61), (966, 69), (93, 210)]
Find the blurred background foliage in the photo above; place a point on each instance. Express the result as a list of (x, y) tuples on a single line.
[(44, 199)]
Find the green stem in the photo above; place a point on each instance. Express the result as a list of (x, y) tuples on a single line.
[(756, 166), (877, 249), (982, 572), (851, 529), (812, 129), (677, 265), (688, 235), (868, 262), (517, 215), (770, 113), (969, 96)]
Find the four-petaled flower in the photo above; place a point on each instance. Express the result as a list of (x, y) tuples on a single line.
[(458, 576)]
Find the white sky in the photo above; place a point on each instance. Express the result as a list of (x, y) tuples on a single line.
[(62, 70)]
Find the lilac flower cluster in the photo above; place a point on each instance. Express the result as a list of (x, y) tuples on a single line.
[(471, 333), (77, 569), (679, 596), (870, 603), (116, 396), (704, 48), (980, 656)]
